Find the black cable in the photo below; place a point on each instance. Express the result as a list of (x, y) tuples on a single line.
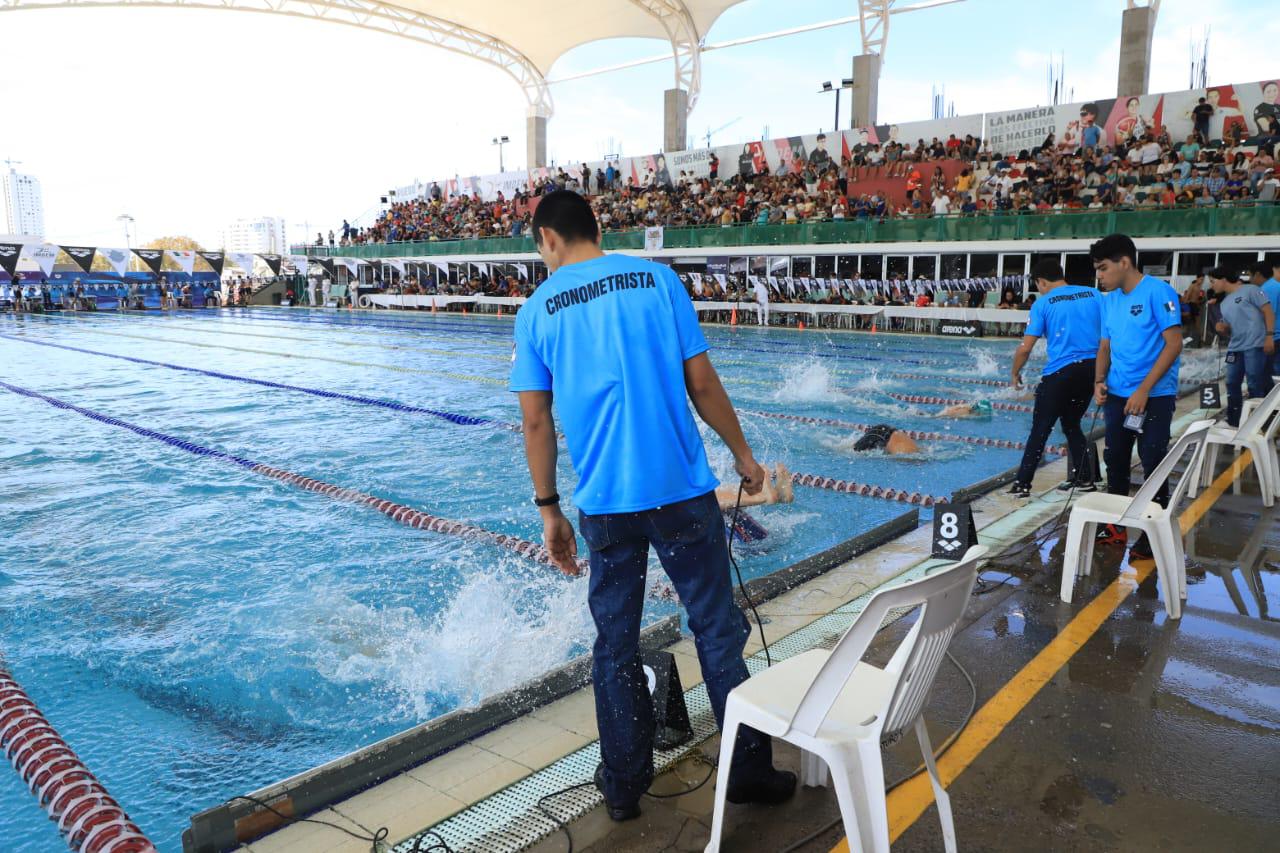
[(440, 843), (560, 824), (733, 525), (374, 840), (937, 753)]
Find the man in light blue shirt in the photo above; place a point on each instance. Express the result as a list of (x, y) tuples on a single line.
[(1271, 287), (1250, 323), (1137, 369), (614, 340), (1069, 318)]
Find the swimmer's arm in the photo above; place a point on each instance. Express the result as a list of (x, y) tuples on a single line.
[(703, 386), (1020, 356)]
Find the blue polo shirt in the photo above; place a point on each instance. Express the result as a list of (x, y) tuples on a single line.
[(1271, 288), (1069, 318), (609, 338), (1134, 323)]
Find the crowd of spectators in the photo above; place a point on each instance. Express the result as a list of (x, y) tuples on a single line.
[(1141, 167)]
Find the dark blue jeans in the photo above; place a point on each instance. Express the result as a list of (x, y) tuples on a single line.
[(690, 540), (1153, 442), (1062, 396), (1254, 364)]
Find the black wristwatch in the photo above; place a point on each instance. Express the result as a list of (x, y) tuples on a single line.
[(551, 501)]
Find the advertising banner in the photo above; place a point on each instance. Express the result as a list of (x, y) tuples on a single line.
[(82, 256)]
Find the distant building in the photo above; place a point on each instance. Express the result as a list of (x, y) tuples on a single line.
[(23, 205), (264, 235)]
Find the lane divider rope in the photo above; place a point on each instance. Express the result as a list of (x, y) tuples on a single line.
[(947, 401), (980, 441), (397, 512), (452, 417), (398, 368), (852, 488), (999, 383), (88, 818)]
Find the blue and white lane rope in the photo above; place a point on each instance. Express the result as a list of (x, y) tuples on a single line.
[(397, 512), (451, 417)]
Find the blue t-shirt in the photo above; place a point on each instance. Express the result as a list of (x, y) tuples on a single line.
[(1069, 318), (1134, 323), (1271, 287), (1091, 136), (609, 338)]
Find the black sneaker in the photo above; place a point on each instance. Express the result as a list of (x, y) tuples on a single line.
[(1020, 490), (617, 813), (777, 787), (1141, 550), (1087, 486)]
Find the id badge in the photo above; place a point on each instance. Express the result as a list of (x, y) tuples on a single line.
[(1233, 357), (1134, 422)]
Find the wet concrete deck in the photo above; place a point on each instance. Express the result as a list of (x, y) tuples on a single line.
[(1156, 734)]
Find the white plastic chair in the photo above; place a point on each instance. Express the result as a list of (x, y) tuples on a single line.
[(839, 710), (1141, 511), (1257, 434)]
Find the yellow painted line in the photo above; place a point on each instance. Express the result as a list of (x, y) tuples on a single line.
[(464, 376), (910, 800)]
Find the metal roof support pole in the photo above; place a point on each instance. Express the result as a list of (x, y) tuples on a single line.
[(686, 49)]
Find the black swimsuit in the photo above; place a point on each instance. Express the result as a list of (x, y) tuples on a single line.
[(875, 438)]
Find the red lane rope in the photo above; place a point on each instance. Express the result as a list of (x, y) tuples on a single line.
[(88, 818), (947, 401), (852, 488), (407, 515), (1000, 383), (980, 441)]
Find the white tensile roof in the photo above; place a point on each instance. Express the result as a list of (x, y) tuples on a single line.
[(544, 30)]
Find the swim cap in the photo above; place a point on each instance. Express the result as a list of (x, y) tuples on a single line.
[(983, 408), (874, 438)]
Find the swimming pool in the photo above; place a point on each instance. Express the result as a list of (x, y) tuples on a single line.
[(196, 630)]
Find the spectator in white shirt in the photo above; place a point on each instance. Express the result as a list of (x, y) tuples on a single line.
[(941, 204)]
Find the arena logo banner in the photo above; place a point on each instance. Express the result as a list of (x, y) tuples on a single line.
[(153, 258), (272, 261), (9, 254), (42, 255), (327, 265), (81, 256), (960, 328), (184, 258), (118, 258), (215, 260), (244, 260)]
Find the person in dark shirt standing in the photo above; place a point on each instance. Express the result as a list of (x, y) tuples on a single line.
[(1200, 115)]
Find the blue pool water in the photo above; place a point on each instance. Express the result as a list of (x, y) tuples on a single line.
[(196, 630)]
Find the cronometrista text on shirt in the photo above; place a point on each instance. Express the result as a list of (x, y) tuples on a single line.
[(598, 288)]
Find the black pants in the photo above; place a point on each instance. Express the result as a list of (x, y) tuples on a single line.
[(1062, 396), (1152, 442)]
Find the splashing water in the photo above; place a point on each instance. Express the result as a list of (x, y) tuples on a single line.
[(492, 636), (808, 382), (984, 363)]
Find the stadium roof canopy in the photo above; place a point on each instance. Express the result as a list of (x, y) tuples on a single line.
[(522, 37)]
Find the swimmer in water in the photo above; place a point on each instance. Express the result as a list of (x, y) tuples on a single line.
[(980, 409), (779, 491), (887, 438)]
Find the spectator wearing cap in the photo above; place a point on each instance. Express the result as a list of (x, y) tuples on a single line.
[(1250, 321)]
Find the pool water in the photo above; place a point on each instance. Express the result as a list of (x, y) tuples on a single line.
[(196, 630)]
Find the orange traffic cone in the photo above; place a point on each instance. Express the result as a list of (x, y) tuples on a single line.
[(433, 306), (873, 327), (499, 310), (733, 317), (801, 323)]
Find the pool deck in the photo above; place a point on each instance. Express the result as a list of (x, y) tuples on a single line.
[(1097, 757)]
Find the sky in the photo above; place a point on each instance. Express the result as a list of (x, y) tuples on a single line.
[(188, 119)]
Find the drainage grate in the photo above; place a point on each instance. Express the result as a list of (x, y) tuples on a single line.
[(509, 821)]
